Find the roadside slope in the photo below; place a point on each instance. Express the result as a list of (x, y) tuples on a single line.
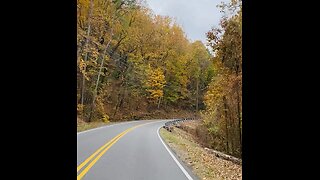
[(203, 164)]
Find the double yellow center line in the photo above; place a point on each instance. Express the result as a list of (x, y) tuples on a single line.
[(98, 154)]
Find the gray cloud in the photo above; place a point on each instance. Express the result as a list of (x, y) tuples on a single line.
[(196, 17)]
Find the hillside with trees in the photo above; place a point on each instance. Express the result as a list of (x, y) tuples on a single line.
[(133, 64)]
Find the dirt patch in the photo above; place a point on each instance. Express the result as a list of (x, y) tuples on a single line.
[(83, 126)]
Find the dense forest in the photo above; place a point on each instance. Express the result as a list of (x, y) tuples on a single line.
[(222, 117), (133, 64)]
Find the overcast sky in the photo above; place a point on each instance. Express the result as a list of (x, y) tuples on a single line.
[(196, 17)]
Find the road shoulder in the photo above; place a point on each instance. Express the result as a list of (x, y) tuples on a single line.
[(202, 163)]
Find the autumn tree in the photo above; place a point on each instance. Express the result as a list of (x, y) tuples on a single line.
[(199, 67), (154, 84), (223, 99)]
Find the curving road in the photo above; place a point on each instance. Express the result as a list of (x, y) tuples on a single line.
[(128, 151)]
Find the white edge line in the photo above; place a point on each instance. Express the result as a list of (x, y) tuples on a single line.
[(174, 158), (104, 127), (127, 122)]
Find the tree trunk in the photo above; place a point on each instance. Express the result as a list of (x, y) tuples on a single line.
[(119, 102), (91, 109), (226, 119), (224, 156), (97, 83), (78, 76), (232, 134), (159, 102), (118, 99), (197, 105), (86, 56), (239, 118)]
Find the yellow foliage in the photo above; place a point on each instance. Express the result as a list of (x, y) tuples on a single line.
[(155, 83), (105, 118), (80, 108)]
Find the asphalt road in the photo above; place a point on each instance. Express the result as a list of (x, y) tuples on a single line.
[(137, 154)]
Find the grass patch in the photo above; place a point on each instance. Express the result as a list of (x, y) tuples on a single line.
[(203, 164), (83, 126)]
